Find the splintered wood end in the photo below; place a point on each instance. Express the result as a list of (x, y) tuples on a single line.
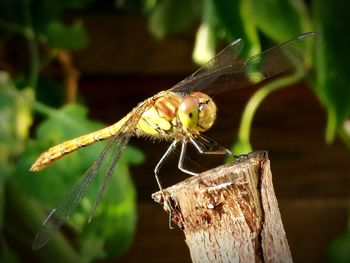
[(230, 213)]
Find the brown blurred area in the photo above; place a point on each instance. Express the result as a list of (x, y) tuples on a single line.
[(124, 65)]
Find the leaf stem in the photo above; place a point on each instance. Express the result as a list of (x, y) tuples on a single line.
[(256, 100)]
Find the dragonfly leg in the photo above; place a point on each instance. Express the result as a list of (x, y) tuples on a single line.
[(215, 150), (182, 159), (161, 162), (243, 156), (156, 172)]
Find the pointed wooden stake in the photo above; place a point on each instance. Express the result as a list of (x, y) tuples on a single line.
[(230, 213)]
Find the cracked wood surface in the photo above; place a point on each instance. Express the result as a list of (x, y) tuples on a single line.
[(230, 213)]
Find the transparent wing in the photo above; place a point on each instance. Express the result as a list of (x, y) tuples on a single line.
[(115, 156), (64, 210), (208, 146), (214, 66), (225, 72)]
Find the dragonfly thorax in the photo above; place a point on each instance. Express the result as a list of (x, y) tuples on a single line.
[(197, 112)]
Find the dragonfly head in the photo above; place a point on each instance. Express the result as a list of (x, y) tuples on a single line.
[(197, 111)]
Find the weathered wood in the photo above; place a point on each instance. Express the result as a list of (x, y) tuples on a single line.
[(230, 213)]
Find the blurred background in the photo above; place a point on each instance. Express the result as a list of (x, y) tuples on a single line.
[(71, 67)]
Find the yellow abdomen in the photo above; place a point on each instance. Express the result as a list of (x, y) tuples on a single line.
[(66, 147), (159, 120)]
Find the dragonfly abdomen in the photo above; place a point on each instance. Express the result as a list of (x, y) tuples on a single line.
[(60, 150)]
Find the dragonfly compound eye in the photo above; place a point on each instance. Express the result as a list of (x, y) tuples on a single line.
[(197, 111), (207, 111), (188, 112)]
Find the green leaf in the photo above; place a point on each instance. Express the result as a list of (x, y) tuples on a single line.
[(73, 37), (7, 118), (15, 118), (250, 33), (24, 218), (38, 13), (205, 44), (281, 19), (225, 19), (236, 18), (207, 34), (50, 185), (109, 233), (46, 11), (339, 249), (171, 16), (24, 116), (66, 123), (11, 111), (332, 63)]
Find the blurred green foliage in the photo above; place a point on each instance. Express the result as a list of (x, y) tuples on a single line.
[(73, 37), (332, 81), (162, 17), (338, 251), (27, 96), (114, 222)]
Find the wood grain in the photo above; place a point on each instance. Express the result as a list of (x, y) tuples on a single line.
[(230, 213)]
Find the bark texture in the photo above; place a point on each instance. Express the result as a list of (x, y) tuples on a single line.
[(230, 213)]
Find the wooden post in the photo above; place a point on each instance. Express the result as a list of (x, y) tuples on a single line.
[(230, 213)]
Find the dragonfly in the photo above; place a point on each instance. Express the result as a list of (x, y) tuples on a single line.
[(179, 115)]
